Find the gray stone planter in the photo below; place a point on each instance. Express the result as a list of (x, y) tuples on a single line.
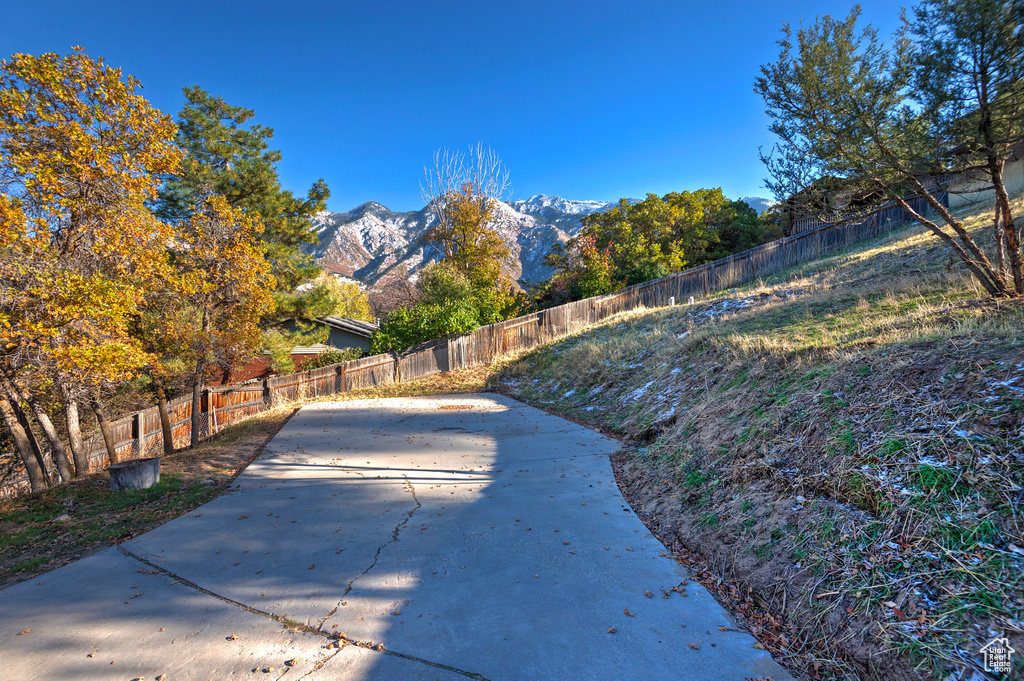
[(134, 474)]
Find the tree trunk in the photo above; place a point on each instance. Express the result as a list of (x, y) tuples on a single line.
[(197, 403), (37, 451), (57, 451), (108, 436), (165, 415), (78, 453), (36, 474), (997, 229), (1009, 230), (978, 264), (197, 386), (982, 273)]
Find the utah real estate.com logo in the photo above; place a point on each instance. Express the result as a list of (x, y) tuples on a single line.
[(998, 654)]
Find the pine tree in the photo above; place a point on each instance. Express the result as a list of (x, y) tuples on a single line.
[(229, 155), (970, 78), (840, 103)]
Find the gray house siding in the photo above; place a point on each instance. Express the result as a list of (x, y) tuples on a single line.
[(342, 340), (339, 338)]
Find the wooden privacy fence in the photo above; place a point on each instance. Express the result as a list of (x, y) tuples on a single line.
[(140, 434)]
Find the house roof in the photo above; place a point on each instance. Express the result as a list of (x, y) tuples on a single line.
[(353, 326)]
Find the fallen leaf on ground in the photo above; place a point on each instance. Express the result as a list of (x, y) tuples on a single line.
[(612, 630), (694, 646), (20, 633), (648, 594), (628, 613), (233, 637)]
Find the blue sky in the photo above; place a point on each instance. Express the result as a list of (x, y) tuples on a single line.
[(585, 100)]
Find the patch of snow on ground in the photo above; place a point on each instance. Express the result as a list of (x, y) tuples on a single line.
[(665, 415), (635, 395)]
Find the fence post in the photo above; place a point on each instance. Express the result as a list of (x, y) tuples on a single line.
[(341, 377), (205, 409), (267, 399), (139, 431)]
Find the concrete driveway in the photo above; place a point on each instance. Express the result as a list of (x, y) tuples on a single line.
[(452, 537)]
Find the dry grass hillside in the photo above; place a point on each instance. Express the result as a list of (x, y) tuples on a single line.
[(843, 444)]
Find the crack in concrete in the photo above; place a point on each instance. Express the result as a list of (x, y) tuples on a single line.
[(305, 628), (320, 664), (394, 537), (193, 585)]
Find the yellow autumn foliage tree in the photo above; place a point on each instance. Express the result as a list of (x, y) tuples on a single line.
[(350, 300), (79, 148), (94, 288), (227, 284)]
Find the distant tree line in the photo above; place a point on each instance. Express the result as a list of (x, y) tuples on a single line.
[(639, 241)]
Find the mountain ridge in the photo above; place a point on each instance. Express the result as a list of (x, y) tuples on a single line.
[(377, 246)]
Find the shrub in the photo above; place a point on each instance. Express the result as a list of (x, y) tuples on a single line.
[(326, 359), (406, 327)]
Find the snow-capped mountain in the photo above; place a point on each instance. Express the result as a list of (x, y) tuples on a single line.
[(372, 243), (376, 245), (562, 213), (758, 204)]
